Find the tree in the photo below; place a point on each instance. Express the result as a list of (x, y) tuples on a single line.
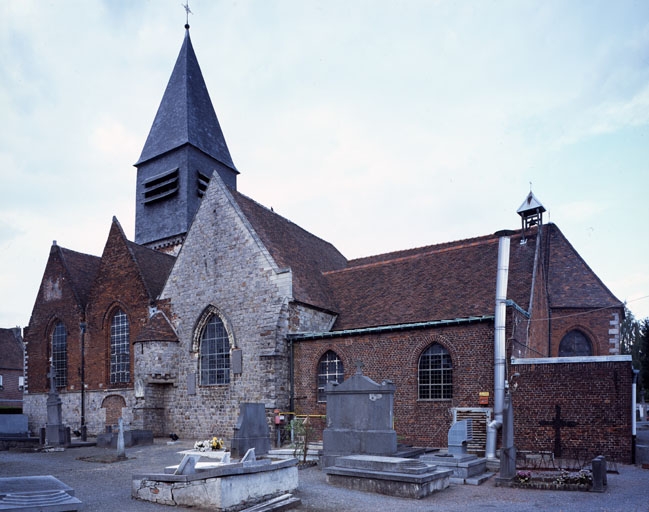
[(634, 340), (642, 345)]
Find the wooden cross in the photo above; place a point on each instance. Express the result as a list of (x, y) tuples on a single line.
[(557, 422)]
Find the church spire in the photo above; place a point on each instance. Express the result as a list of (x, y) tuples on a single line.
[(184, 148), (186, 114)]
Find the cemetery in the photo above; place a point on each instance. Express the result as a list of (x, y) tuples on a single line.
[(359, 452)]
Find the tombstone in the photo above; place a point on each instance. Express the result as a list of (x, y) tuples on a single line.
[(14, 425), (359, 418), (460, 433), (55, 431), (251, 430), (121, 453), (467, 468)]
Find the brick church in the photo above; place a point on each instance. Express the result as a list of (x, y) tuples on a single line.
[(219, 301)]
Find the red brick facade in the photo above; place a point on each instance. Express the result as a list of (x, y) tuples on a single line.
[(395, 356)]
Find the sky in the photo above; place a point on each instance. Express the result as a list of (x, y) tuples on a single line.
[(376, 125)]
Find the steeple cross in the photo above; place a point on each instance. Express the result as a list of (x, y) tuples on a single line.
[(188, 11), (557, 422)]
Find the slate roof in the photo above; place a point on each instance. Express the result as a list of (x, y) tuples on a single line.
[(186, 114), (293, 247), (571, 282), (154, 267), (82, 270), (11, 348), (438, 282)]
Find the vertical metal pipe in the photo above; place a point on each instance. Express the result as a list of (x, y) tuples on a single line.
[(499, 344), (82, 325)]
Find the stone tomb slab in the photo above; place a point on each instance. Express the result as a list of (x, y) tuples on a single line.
[(37, 493), (392, 476), (467, 468), (228, 487)]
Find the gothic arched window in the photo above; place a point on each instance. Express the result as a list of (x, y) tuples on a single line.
[(120, 348), (575, 343), (60, 354), (435, 374), (214, 353), (330, 369)]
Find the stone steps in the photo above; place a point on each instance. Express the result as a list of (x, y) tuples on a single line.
[(284, 502)]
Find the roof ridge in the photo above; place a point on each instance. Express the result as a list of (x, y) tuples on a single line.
[(419, 252)]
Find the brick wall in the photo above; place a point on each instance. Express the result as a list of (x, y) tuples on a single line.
[(55, 302), (594, 396), (395, 356), (117, 285), (601, 326)]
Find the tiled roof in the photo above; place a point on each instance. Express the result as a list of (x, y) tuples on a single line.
[(446, 281), (292, 247), (82, 270), (186, 114), (438, 282), (571, 282), (11, 349), (154, 267), (157, 328)]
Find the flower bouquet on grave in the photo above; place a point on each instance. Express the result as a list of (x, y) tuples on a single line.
[(213, 444)]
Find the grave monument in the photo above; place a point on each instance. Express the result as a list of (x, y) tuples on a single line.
[(467, 468), (359, 443), (251, 430), (54, 431), (359, 418)]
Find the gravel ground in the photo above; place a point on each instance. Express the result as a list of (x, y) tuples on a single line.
[(104, 485)]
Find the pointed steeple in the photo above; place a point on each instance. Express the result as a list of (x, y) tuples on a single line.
[(186, 114), (184, 147)]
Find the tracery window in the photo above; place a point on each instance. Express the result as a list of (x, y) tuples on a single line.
[(575, 343), (435, 374), (60, 354), (330, 369), (120, 348), (214, 353)]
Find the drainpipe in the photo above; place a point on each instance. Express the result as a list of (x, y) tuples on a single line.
[(499, 345), (82, 326)]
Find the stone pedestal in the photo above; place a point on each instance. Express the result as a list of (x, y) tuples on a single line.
[(54, 430), (392, 476), (42, 493)]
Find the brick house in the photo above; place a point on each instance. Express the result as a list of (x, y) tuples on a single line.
[(11, 370), (220, 301)]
